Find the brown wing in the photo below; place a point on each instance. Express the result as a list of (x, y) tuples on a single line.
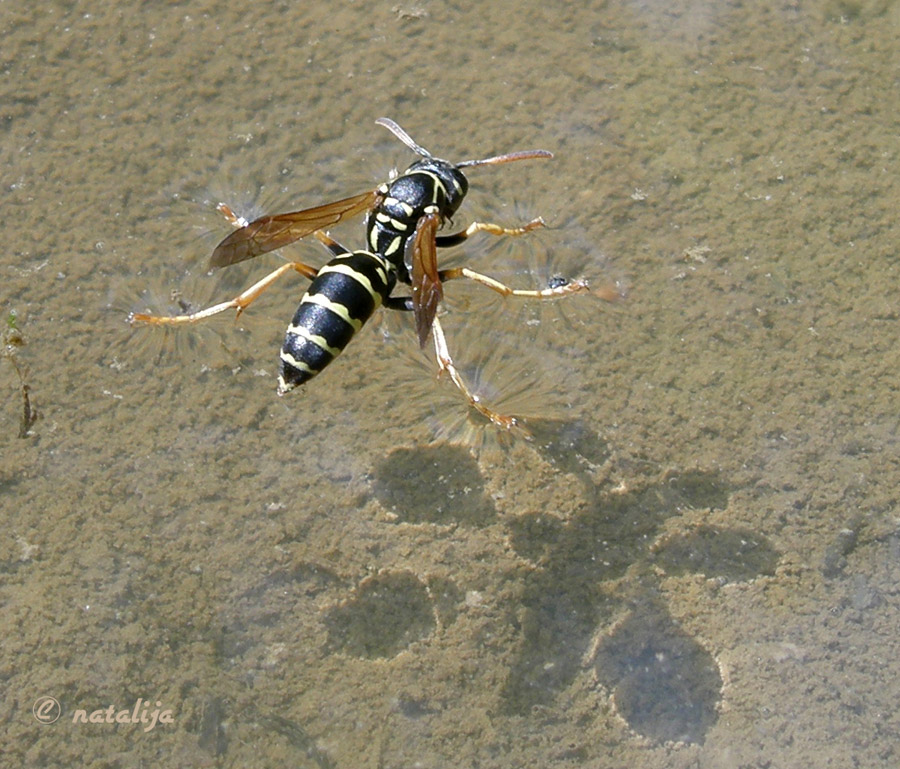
[(270, 232), (427, 290)]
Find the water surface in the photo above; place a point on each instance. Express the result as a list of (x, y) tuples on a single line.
[(692, 563)]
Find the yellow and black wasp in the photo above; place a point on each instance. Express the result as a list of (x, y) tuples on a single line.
[(403, 218)]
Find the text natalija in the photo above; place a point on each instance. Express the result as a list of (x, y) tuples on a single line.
[(140, 714)]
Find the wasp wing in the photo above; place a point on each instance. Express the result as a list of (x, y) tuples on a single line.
[(270, 232), (427, 290)]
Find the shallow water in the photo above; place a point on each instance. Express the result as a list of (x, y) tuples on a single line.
[(694, 560)]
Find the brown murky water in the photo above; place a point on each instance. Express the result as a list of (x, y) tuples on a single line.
[(695, 560)]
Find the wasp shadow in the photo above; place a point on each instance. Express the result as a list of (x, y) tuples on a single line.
[(664, 683), (566, 598), (440, 484), (387, 613)]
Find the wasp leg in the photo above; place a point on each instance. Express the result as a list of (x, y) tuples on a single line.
[(494, 229), (236, 220), (240, 303), (330, 243), (445, 363), (552, 292), (402, 303)]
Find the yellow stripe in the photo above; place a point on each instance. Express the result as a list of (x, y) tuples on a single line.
[(395, 223), (317, 340), (407, 208), (393, 246), (297, 364), (335, 307), (344, 269)]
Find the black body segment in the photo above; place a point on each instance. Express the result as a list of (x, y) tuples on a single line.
[(429, 186), (339, 301)]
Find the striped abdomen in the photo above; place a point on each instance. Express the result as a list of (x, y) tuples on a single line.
[(340, 299)]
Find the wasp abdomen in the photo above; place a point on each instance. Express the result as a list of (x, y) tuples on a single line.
[(340, 299)]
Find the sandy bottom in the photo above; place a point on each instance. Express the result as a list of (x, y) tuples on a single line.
[(693, 558)]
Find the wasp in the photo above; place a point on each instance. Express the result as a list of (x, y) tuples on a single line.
[(403, 218)]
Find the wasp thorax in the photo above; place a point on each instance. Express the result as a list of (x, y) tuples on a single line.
[(432, 182)]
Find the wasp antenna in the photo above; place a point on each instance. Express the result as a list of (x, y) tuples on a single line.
[(508, 158), (403, 136)]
